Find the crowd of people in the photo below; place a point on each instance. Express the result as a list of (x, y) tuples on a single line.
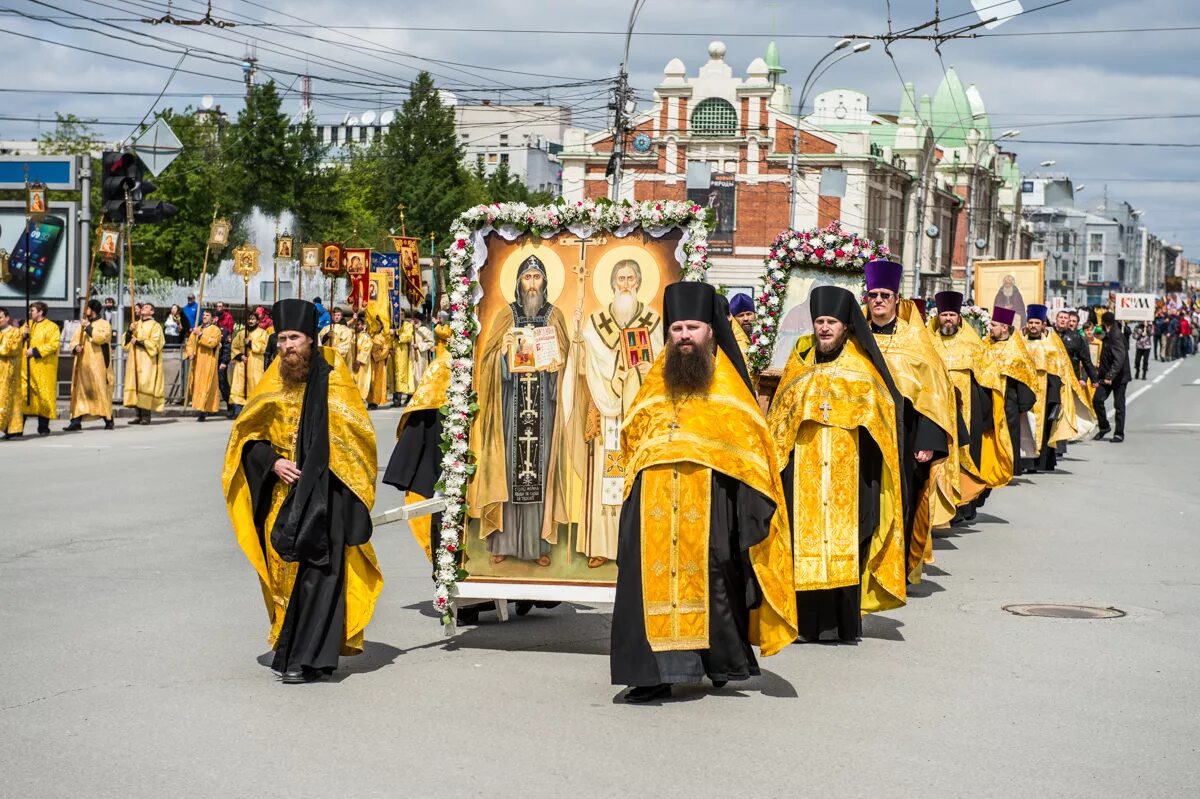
[(791, 524)]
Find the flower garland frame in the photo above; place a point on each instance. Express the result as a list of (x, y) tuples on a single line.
[(978, 317), (832, 248), (465, 256)]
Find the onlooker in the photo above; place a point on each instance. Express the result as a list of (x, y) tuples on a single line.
[(173, 326), (1114, 377), (224, 319), (1160, 330), (322, 314), (1185, 335), (1142, 341), (190, 310), (110, 310)]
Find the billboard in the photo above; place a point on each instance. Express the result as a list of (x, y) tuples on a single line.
[(721, 197), (44, 254)]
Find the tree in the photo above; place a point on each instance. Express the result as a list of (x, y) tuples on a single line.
[(261, 155), (71, 136), (421, 164), (316, 203)]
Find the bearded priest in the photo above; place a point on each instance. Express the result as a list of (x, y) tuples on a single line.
[(704, 553), (834, 421), (928, 437), (1049, 410), (1007, 362), (299, 482), (985, 452)]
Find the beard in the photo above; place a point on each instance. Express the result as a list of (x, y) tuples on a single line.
[(532, 301), (1033, 334), (949, 329), (624, 306), (690, 372), (831, 346), (293, 366)]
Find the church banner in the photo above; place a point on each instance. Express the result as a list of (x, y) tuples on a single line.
[(568, 327)]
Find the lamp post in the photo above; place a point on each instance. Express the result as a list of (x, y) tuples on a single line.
[(808, 84), (620, 100)]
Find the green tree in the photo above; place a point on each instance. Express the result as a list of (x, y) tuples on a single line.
[(316, 205), (70, 136), (421, 165), (262, 155)]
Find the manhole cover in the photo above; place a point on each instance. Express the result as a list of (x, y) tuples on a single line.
[(1065, 611)]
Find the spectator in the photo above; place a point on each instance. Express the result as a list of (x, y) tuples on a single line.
[(110, 311), (322, 314), (224, 320), (173, 326), (1142, 341), (1160, 330), (1185, 335), (190, 310), (1114, 377)]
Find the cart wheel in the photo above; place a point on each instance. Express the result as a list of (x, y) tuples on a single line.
[(523, 607), (468, 615)]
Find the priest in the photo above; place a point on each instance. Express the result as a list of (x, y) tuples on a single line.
[(704, 553), (834, 423), (1008, 363), (42, 338), (204, 351), (12, 351), (144, 384), (929, 436), (1049, 410), (337, 334), (91, 384), (404, 375), (249, 351), (381, 350), (360, 356), (741, 313), (299, 481), (985, 452)]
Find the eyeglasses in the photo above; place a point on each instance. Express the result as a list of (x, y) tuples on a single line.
[(880, 295)]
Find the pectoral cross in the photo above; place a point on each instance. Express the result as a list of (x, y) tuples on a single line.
[(673, 426), (825, 409), (528, 440), (527, 380), (580, 269)]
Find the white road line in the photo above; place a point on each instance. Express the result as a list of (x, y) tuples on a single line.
[(1154, 382), (1158, 379), (1136, 394)]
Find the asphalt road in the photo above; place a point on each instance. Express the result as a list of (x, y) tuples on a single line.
[(131, 628)]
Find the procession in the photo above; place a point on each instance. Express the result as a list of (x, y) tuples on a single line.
[(557, 398)]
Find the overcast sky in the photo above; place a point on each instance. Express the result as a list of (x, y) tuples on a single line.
[(1045, 85)]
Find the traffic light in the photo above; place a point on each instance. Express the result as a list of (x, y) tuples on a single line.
[(125, 172)]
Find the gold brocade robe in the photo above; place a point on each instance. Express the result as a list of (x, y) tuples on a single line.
[(41, 397), (144, 383), (12, 353), (381, 349), (273, 414), (340, 337), (360, 364), (1010, 359), (676, 450), (964, 356), (743, 341), (245, 375), (91, 381), (1077, 418), (816, 417), (402, 360), (922, 380), (203, 349)]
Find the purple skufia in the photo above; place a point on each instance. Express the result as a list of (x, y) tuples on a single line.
[(884, 275), (1004, 316), (948, 301)]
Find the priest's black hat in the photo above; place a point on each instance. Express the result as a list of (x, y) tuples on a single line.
[(695, 301), (298, 315)]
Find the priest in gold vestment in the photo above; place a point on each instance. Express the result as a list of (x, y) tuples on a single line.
[(91, 382), (204, 350), (704, 555), (985, 452), (248, 364), (360, 356), (928, 438), (337, 334), (381, 350), (12, 352), (144, 383), (833, 421), (404, 377), (40, 367), (299, 482), (1007, 362), (1074, 418)]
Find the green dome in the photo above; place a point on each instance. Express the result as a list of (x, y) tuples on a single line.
[(772, 59), (951, 111)]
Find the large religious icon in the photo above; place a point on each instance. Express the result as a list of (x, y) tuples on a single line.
[(1009, 284), (408, 248), (110, 239), (797, 320), (331, 259), (218, 232), (283, 247), (310, 256), (568, 329)]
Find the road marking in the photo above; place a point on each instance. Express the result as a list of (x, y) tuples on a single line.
[(1158, 379), (1153, 382), (1129, 400)]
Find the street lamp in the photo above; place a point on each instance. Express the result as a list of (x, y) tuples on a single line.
[(1049, 163), (809, 82)]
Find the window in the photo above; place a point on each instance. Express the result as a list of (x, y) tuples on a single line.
[(504, 158), (1095, 244), (491, 158), (465, 137), (1095, 269), (714, 117), (503, 139), (321, 133), (333, 135), (362, 134)]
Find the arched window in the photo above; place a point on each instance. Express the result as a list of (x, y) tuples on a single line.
[(714, 117)]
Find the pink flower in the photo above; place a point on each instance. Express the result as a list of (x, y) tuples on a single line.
[(461, 244), (819, 252), (840, 253)]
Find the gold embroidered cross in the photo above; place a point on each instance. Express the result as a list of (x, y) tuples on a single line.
[(673, 426), (825, 409)]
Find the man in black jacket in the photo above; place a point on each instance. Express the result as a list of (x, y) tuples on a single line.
[(1114, 377), (1077, 347)]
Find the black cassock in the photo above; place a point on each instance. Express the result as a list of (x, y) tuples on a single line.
[(1018, 399), (1047, 459), (416, 462), (837, 611), (740, 517), (981, 422)]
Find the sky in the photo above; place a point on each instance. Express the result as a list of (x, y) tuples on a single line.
[(1037, 72)]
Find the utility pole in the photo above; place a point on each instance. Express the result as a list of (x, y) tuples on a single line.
[(621, 100)]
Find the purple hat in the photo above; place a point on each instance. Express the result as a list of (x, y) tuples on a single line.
[(948, 301), (741, 303), (884, 275), (1004, 316), (1035, 311)]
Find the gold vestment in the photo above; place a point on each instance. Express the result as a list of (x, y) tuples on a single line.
[(402, 361), (12, 354), (360, 364), (91, 380), (41, 398), (1010, 359), (203, 349), (381, 349), (144, 382)]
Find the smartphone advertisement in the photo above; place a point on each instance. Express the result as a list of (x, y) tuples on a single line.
[(39, 255)]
